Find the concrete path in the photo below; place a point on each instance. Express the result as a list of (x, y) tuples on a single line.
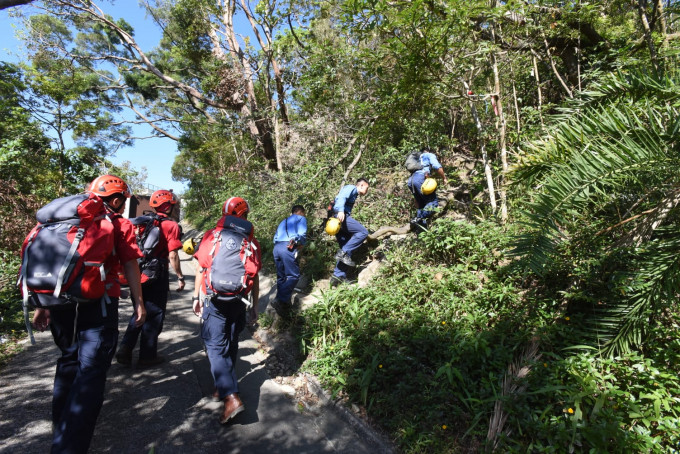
[(168, 409)]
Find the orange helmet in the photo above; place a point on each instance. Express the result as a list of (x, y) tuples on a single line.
[(162, 196), (107, 185), (236, 206)]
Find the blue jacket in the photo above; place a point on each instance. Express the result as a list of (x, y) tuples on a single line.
[(345, 199), (294, 227), (429, 162)]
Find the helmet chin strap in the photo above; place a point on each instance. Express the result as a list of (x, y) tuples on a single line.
[(165, 208), (111, 207)]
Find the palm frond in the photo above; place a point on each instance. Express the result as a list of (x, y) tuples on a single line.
[(654, 287), (577, 122), (604, 151)]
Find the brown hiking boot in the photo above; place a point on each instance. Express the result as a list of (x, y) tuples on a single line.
[(232, 407)]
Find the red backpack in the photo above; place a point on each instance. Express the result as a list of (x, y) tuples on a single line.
[(233, 259), (63, 257)]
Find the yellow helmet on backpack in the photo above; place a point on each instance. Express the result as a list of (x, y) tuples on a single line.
[(332, 226), (189, 246), (429, 186)]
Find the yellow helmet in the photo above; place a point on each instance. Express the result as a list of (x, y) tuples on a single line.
[(429, 186), (332, 226), (189, 246)]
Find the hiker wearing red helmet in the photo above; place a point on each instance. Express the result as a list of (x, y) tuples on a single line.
[(86, 332), (155, 291), (229, 261), (236, 206)]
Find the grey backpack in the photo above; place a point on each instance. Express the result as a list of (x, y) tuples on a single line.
[(413, 161)]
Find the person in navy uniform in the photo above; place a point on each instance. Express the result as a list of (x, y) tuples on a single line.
[(223, 320), (426, 203), (289, 238), (352, 234), (87, 334), (155, 293)]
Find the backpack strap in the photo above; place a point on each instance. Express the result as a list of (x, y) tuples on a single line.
[(217, 238), (22, 276), (24, 286), (67, 265)]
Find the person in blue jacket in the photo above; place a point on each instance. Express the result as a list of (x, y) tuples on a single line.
[(290, 237), (426, 203), (352, 233)]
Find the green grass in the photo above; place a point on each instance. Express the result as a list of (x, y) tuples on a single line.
[(426, 346), (12, 328)]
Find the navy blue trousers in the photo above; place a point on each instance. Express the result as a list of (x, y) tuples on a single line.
[(222, 323), (426, 203), (287, 271), (351, 235), (155, 295), (80, 376)]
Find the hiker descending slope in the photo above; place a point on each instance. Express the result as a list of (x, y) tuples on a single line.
[(351, 233), (421, 164), (155, 287), (229, 261), (69, 272)]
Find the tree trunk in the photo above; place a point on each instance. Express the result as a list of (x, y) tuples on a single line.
[(501, 126), (554, 67), (538, 89), (266, 48), (487, 165), (258, 125), (647, 33)]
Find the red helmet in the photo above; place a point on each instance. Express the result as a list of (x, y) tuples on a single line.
[(162, 196), (236, 206), (107, 185)]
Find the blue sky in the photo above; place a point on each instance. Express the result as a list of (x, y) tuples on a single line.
[(156, 154)]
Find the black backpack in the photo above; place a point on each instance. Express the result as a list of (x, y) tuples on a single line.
[(151, 266), (413, 161)]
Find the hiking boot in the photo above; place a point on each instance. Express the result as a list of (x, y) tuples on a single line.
[(418, 225), (124, 355), (282, 309), (232, 407), (335, 281), (150, 362), (344, 258)]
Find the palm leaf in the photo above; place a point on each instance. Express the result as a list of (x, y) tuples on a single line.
[(606, 149)]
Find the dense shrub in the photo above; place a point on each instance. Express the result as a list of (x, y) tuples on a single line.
[(426, 346)]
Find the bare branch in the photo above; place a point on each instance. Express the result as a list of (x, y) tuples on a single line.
[(150, 122), (4, 4), (292, 31), (354, 163), (97, 14)]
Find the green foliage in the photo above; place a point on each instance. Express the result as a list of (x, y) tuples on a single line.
[(598, 171), (11, 321), (424, 345), (586, 403), (427, 344), (477, 246)]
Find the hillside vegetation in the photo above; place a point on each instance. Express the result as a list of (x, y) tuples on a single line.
[(539, 313)]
